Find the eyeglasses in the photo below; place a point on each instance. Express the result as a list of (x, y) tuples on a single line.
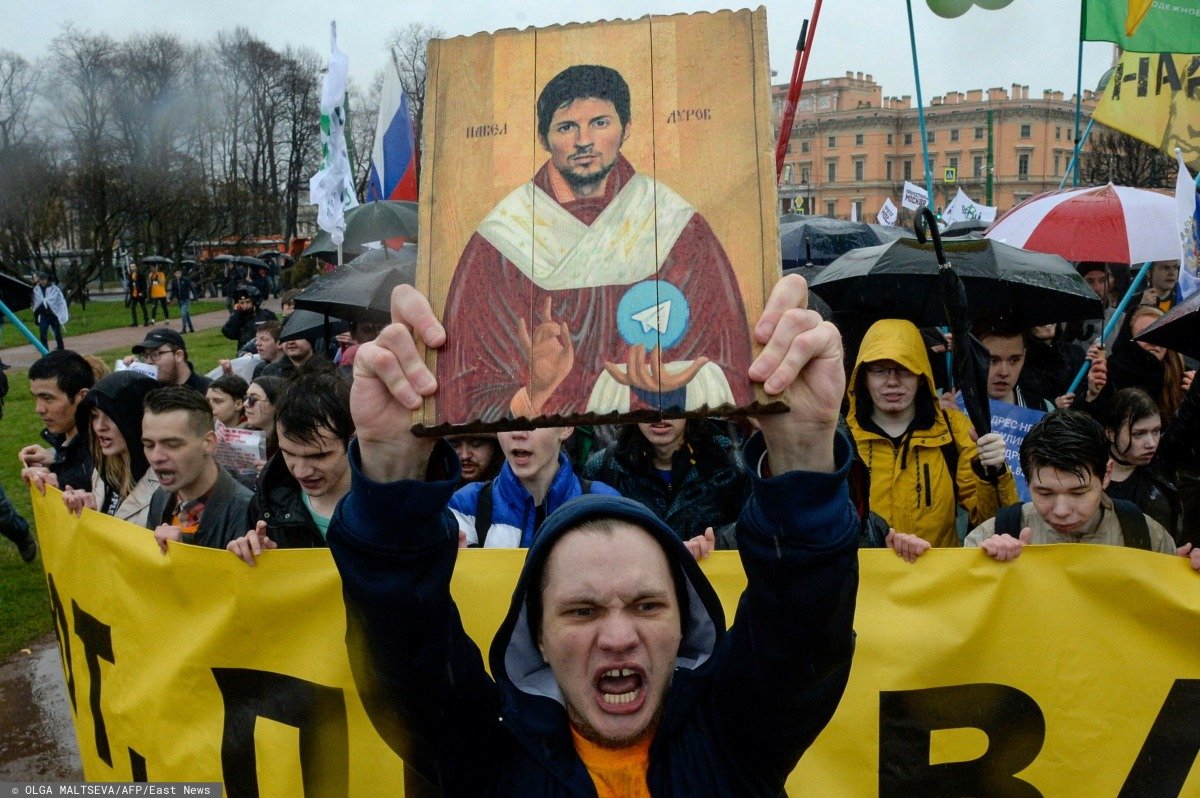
[(888, 371), (251, 401), (157, 353)]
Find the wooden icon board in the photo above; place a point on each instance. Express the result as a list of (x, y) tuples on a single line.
[(599, 260)]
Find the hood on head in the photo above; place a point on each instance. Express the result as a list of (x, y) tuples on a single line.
[(515, 656), (890, 339), (120, 396)]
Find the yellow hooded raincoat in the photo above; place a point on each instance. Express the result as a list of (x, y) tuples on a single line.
[(911, 484)]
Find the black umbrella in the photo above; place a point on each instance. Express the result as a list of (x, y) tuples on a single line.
[(361, 290), (159, 259), (820, 240), (888, 233), (964, 227), (223, 259), (814, 302), (15, 293), (246, 260), (309, 325), (1178, 330), (902, 280), (380, 221), (322, 246)]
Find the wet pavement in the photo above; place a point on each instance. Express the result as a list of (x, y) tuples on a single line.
[(37, 735)]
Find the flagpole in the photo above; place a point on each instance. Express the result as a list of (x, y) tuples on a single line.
[(1078, 103), (1079, 142), (912, 37), (799, 67), (20, 325)]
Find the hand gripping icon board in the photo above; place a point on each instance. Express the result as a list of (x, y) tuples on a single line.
[(598, 220)]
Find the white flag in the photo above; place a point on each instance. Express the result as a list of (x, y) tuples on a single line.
[(914, 196), (888, 213), (332, 188), (962, 208), (854, 211), (1185, 209)]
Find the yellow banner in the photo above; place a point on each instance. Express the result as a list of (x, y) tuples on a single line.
[(1074, 671), (1155, 97)]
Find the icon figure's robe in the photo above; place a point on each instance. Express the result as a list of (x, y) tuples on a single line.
[(639, 241)]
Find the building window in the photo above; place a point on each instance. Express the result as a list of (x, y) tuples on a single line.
[(860, 168), (889, 139), (908, 138), (1026, 131), (953, 164), (1057, 158), (805, 174), (978, 166), (908, 170), (856, 206), (831, 172), (1058, 132), (831, 208), (832, 142), (858, 139), (979, 134), (929, 136), (804, 146), (888, 168), (954, 134), (1023, 166)]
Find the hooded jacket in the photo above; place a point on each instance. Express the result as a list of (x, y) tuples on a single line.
[(120, 396), (743, 705), (911, 483), (514, 514), (278, 500)]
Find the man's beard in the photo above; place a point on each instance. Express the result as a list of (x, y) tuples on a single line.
[(578, 181)]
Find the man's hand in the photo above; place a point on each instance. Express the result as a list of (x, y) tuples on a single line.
[(34, 455), (390, 382), (1097, 376), (1006, 548), (702, 545), (252, 544), (78, 499), (129, 360), (991, 450), (801, 362), (39, 477), (165, 532), (948, 400), (907, 547), (1191, 554), (226, 365), (551, 356), (1186, 382), (649, 375)]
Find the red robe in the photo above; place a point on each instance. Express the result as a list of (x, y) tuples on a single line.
[(484, 363)]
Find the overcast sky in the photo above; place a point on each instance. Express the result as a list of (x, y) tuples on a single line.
[(1031, 42)]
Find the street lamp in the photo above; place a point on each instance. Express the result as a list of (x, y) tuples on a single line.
[(806, 191)]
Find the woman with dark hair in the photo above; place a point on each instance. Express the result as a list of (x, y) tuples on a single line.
[(260, 402), (1134, 428), (111, 418), (227, 398), (687, 472), (1136, 364)]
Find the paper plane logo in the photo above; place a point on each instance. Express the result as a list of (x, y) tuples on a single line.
[(655, 318)]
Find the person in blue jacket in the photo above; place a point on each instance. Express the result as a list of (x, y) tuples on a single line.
[(613, 673)]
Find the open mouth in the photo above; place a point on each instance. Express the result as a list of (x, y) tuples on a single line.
[(621, 690), (520, 456)]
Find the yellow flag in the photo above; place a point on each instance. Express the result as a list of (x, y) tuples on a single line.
[(1155, 97)]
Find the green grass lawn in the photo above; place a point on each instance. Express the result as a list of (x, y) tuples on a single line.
[(98, 316), (24, 607)]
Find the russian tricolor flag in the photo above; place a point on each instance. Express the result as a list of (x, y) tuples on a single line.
[(394, 158)]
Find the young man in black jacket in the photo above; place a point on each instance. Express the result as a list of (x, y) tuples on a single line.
[(301, 485), (614, 649), (59, 382)]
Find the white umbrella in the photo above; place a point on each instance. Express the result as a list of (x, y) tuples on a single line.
[(1115, 224)]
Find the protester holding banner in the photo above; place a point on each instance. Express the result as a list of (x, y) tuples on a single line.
[(613, 661), (301, 485), (122, 482), (59, 382), (197, 501), (922, 460)]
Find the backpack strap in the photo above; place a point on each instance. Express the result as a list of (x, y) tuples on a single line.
[(585, 486), (483, 513), (950, 455), (1008, 520), (1134, 529)]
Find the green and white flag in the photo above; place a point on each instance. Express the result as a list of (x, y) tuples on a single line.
[(962, 208), (332, 188)]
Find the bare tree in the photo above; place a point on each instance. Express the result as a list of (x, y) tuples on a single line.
[(18, 90), (1114, 157), (409, 46)]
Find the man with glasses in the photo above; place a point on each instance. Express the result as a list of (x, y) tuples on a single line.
[(164, 349), (922, 461)]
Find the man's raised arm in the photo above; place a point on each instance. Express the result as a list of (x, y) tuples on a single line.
[(790, 647)]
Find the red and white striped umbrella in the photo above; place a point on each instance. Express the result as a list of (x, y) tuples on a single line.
[(1116, 224)]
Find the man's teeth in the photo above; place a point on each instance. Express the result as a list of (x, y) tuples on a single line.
[(622, 698), (616, 672)]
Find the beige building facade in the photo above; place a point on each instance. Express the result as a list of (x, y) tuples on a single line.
[(853, 148)]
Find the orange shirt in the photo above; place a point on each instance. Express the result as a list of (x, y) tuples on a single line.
[(617, 772)]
